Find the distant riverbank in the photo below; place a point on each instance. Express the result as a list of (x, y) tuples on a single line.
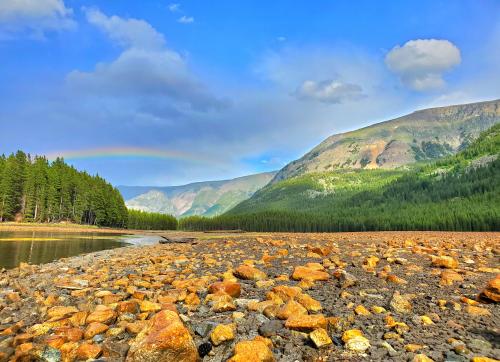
[(67, 228)]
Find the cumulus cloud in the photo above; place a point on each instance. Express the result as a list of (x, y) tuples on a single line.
[(186, 19), (145, 69), (328, 91), (421, 63), (34, 17)]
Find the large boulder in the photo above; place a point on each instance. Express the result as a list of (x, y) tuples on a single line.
[(165, 339)]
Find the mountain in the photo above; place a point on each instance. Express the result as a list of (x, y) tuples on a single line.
[(201, 198), (422, 135), (459, 192)]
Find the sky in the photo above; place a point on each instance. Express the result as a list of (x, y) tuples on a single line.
[(150, 92)]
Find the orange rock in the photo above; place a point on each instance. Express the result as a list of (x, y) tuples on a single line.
[(254, 351), (55, 341), (146, 306), (483, 359), (302, 272), (308, 302), (71, 334), (444, 262), (249, 273), (228, 287), (95, 328), (477, 311), (492, 291), (102, 315), (60, 312), (78, 319), (222, 333), (88, 351), (223, 303), (291, 308), (165, 339), (111, 299), (306, 323), (129, 306), (448, 277)]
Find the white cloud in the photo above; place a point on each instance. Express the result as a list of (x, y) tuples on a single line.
[(328, 91), (186, 19), (146, 71), (174, 7), (33, 17), (421, 63), (126, 32)]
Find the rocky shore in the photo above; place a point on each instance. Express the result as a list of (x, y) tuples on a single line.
[(413, 296)]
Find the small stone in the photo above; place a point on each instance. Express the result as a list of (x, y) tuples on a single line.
[(95, 328), (289, 309), (358, 344), (255, 351), (413, 347), (59, 312), (378, 310), (477, 311), (302, 272), (204, 349), (361, 310), (106, 316), (88, 351), (228, 287), (351, 333), (320, 338), (422, 358), (492, 291), (306, 323), (269, 329), (203, 329), (222, 333), (147, 306), (483, 359), (249, 273), (444, 262), (400, 303)]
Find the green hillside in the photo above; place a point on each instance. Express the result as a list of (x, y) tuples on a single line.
[(459, 192)]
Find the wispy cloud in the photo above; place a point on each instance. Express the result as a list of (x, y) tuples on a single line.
[(174, 7), (186, 19), (328, 91)]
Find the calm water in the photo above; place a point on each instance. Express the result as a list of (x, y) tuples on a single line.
[(44, 247)]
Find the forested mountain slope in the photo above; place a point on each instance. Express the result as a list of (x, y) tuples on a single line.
[(460, 192), (427, 134)]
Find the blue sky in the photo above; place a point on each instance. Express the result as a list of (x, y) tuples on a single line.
[(228, 87)]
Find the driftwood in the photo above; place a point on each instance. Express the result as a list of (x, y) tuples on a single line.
[(179, 240)]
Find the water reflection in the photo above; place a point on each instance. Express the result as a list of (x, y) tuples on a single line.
[(42, 247)]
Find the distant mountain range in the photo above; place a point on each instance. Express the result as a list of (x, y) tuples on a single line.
[(422, 135), (202, 198)]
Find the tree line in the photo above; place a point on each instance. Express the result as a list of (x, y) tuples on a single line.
[(141, 220), (32, 189)]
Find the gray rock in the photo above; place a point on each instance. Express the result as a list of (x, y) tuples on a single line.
[(268, 329), (203, 329)]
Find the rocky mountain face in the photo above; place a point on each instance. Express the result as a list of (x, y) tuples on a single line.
[(422, 135), (201, 198)]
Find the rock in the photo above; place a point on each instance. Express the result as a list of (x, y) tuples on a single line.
[(448, 277), (291, 308), (483, 359), (129, 306), (270, 328), (203, 329), (422, 358), (361, 310), (400, 303), (311, 304), (492, 291), (222, 333), (204, 349), (147, 306), (228, 287), (59, 312), (413, 347), (302, 272), (165, 339), (346, 279), (115, 350), (320, 337), (95, 328), (249, 273), (306, 323), (102, 315), (444, 262), (88, 351), (477, 311), (223, 303), (254, 351), (357, 344)]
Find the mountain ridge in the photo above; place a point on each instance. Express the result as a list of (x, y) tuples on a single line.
[(425, 134), (205, 198)]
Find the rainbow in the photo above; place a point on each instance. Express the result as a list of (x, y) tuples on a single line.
[(124, 152)]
